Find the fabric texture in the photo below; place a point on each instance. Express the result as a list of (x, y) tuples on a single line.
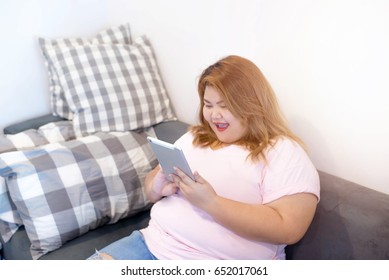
[(10, 220), (114, 35), (49, 133), (111, 87), (63, 190), (351, 223), (33, 123), (131, 247), (29, 139), (172, 232)]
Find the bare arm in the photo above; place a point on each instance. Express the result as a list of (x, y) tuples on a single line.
[(283, 221)]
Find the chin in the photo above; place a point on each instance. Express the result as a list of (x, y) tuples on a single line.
[(225, 139)]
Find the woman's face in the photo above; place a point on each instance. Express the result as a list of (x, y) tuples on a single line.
[(226, 126)]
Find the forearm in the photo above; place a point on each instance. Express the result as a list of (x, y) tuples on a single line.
[(150, 193), (258, 222), (265, 222)]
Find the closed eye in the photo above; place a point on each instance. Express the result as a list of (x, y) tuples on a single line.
[(208, 104)]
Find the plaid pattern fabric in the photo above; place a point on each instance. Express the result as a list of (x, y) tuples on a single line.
[(49, 133), (115, 35), (111, 87), (25, 139), (10, 220), (65, 189)]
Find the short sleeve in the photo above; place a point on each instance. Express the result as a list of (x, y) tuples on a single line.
[(289, 171)]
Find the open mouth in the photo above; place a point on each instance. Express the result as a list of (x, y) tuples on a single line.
[(221, 126)]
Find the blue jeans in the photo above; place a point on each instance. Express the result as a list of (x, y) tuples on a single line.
[(132, 247)]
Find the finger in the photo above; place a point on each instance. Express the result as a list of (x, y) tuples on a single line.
[(169, 189), (185, 178), (198, 178), (175, 179), (179, 172)]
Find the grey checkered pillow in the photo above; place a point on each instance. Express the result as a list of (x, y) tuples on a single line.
[(112, 87), (9, 217), (10, 220), (63, 190), (28, 139), (115, 35)]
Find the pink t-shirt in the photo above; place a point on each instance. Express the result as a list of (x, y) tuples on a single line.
[(178, 230)]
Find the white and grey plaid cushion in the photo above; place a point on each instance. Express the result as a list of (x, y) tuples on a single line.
[(45, 134), (10, 220), (65, 189), (111, 87), (114, 35), (28, 139), (9, 217)]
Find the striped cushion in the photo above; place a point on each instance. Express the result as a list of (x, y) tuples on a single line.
[(111, 87), (115, 35)]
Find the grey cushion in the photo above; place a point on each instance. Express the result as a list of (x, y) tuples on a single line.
[(18, 248), (351, 222), (106, 184), (170, 131), (33, 123), (111, 87), (120, 34)]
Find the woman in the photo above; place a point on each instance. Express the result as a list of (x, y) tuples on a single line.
[(256, 189)]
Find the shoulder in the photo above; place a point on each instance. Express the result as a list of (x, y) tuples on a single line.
[(287, 159), (289, 170), (185, 139), (285, 149)]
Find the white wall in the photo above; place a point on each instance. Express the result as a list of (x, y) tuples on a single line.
[(327, 60)]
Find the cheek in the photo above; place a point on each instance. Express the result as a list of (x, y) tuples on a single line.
[(230, 118), (206, 114)]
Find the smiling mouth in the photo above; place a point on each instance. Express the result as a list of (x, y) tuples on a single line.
[(221, 126)]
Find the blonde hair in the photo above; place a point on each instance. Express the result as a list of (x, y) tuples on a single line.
[(249, 97)]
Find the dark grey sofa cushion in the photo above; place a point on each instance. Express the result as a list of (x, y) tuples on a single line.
[(18, 248), (33, 123), (170, 131), (351, 222)]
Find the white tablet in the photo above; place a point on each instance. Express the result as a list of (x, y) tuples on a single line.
[(170, 156)]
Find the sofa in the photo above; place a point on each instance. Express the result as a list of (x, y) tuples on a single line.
[(351, 221)]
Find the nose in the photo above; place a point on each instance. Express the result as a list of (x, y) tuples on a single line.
[(215, 114)]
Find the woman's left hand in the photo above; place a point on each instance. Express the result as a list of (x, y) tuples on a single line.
[(199, 193)]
